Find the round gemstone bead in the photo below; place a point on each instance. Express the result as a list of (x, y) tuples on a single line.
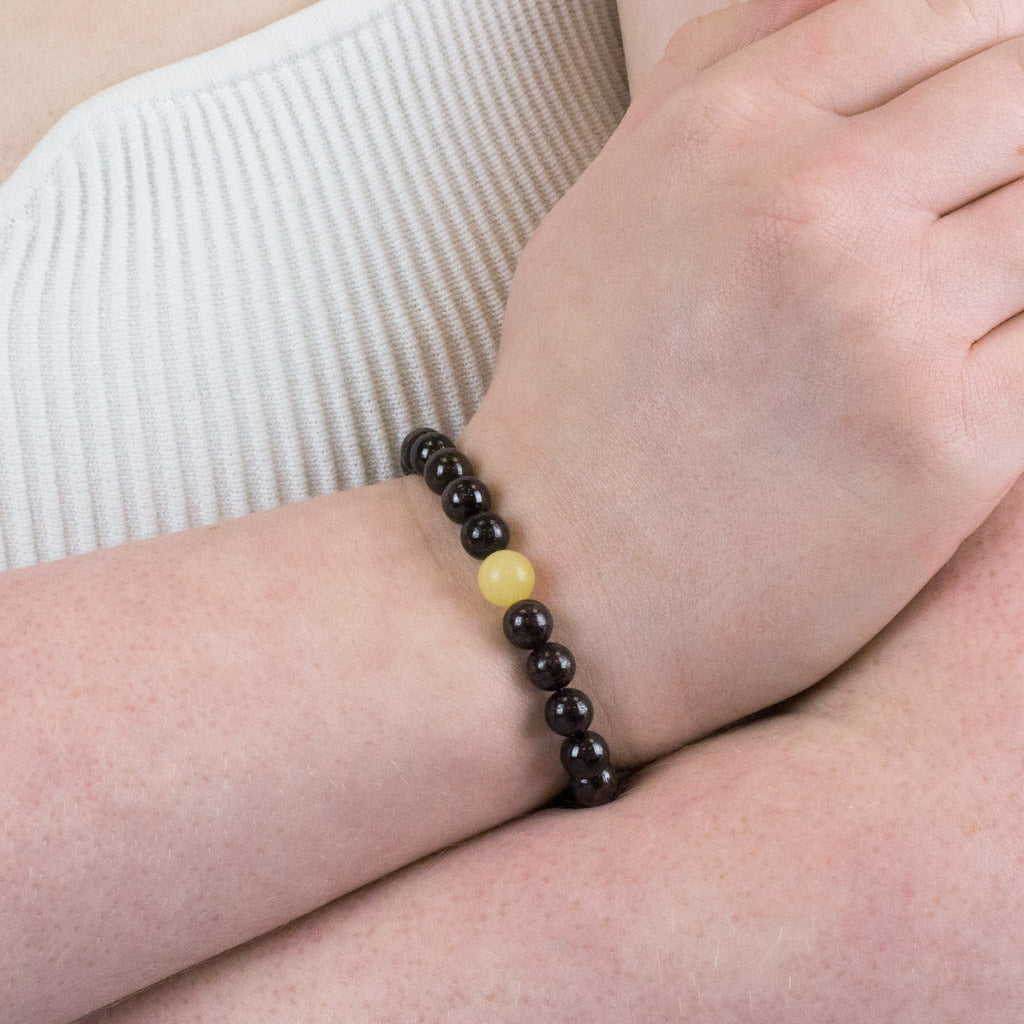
[(527, 624), (585, 755), (592, 792), (551, 666), (568, 711), (483, 534), (444, 466), (409, 440), (464, 497), (505, 577), (424, 446)]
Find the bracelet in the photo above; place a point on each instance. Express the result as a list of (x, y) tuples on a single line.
[(506, 579)]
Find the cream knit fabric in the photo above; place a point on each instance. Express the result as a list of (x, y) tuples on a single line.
[(234, 282)]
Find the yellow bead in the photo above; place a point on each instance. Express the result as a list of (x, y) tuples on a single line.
[(505, 577)]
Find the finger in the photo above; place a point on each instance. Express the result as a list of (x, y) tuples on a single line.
[(995, 376), (708, 39), (853, 55), (703, 42), (955, 136), (976, 256)]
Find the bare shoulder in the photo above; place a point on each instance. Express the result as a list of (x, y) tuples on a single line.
[(57, 55)]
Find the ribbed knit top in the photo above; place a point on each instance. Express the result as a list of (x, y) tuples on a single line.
[(235, 281)]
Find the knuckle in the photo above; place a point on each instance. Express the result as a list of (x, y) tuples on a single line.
[(844, 171), (707, 124), (686, 46), (941, 429), (684, 58), (827, 194), (732, 101)]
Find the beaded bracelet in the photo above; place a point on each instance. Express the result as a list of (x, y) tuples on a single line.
[(506, 579)]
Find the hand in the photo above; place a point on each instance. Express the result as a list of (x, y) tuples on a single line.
[(751, 392)]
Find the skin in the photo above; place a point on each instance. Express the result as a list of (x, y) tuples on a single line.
[(686, 448), (60, 52), (647, 25), (854, 857), (164, 925), (212, 708)]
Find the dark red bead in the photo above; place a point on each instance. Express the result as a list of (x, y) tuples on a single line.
[(444, 466), (585, 755), (527, 624), (599, 789), (424, 446), (551, 666), (465, 497), (568, 711), (484, 534), (408, 442)]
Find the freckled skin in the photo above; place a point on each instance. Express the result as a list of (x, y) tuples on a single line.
[(854, 859)]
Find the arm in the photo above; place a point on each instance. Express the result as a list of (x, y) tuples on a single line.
[(855, 859), (811, 439), (207, 734)]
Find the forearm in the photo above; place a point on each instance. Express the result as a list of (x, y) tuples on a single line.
[(208, 734), (854, 860), (778, 874), (699, 549), (684, 901)]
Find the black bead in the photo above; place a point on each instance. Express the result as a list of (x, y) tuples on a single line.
[(465, 497), (527, 624), (594, 791), (568, 711), (483, 534), (551, 666), (444, 466), (585, 755), (408, 442), (424, 446)]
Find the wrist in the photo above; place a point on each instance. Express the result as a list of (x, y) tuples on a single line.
[(487, 675), (576, 568)]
